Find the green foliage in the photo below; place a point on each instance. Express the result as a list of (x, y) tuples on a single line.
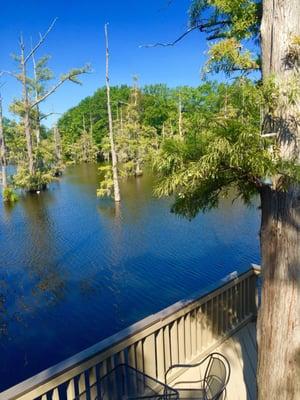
[(281, 94), (292, 59), (46, 168), (106, 187), (228, 56), (74, 73), (93, 110), (229, 23), (83, 150), (156, 105), (37, 162), (9, 195), (32, 183), (133, 139), (227, 18), (229, 153), (42, 75), (15, 141)]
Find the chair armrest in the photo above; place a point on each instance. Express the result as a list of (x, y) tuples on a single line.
[(184, 366)]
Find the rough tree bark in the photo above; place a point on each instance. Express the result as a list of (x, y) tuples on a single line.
[(117, 196), (279, 316), (2, 149)]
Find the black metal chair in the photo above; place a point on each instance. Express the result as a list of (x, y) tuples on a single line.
[(211, 387), (127, 383)]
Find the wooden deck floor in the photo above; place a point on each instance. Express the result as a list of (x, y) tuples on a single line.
[(241, 352)]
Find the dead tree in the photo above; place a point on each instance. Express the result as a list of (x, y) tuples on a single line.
[(2, 149), (27, 104), (36, 92), (117, 196)]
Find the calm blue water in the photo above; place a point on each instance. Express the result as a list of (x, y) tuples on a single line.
[(73, 271)]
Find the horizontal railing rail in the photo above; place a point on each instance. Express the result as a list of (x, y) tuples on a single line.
[(178, 334)]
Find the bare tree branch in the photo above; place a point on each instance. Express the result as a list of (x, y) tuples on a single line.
[(201, 27), (171, 43), (42, 39), (52, 90), (45, 116), (68, 77), (10, 73), (21, 41)]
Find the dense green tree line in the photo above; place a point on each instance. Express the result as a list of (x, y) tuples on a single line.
[(145, 121), (158, 109), (90, 115)]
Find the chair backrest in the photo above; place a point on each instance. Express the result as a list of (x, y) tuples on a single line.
[(216, 376)]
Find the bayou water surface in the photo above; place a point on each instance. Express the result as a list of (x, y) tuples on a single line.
[(73, 271)]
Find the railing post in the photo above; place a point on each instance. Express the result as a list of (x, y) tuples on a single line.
[(257, 276)]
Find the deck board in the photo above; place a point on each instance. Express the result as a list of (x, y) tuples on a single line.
[(241, 352)]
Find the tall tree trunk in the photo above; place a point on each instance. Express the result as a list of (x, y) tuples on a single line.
[(117, 196), (121, 120), (2, 149), (38, 118), (138, 169), (38, 126), (91, 127), (26, 105), (57, 144), (180, 118), (279, 315)]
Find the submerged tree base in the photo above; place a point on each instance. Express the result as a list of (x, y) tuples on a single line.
[(31, 183), (37, 189), (9, 195)]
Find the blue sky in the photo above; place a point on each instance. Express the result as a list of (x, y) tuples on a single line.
[(78, 38)]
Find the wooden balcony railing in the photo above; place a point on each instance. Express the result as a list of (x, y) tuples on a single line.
[(180, 333)]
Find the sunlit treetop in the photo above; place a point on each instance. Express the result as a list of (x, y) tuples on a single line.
[(232, 26), (227, 156), (235, 150)]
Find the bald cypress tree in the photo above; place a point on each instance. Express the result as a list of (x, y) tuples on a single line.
[(236, 151), (2, 150), (31, 177)]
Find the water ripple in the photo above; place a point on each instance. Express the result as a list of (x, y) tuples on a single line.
[(71, 267)]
